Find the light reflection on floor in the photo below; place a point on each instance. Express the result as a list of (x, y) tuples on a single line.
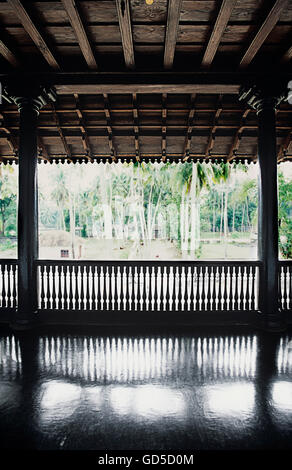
[(147, 392)]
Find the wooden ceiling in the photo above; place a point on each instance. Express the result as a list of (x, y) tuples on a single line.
[(169, 37)]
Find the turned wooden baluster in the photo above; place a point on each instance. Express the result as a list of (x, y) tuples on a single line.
[(42, 293), (220, 288), (3, 293), (155, 307), (8, 286), (198, 273), (203, 295), (87, 272), (104, 272), (225, 272), (144, 294), (231, 278), (116, 297), (167, 294), (54, 287), (161, 303), (122, 296), (186, 292), (98, 274), (236, 289), (133, 288), (179, 294), (138, 289), (247, 295), (59, 287), (214, 293), (75, 271), (48, 269), (209, 272), (65, 271), (192, 289), (252, 296), (127, 290), (241, 305), (150, 288), (93, 293), (14, 289), (70, 287), (81, 287), (110, 294)]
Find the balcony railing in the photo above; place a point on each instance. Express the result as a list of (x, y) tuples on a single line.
[(145, 286), (148, 285)]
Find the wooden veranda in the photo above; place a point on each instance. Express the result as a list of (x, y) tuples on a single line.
[(177, 80)]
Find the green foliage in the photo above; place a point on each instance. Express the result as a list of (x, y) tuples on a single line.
[(285, 216)]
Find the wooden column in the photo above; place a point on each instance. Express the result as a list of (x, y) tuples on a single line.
[(265, 106), (28, 105)]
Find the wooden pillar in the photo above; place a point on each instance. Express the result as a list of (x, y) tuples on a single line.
[(29, 104), (265, 106)]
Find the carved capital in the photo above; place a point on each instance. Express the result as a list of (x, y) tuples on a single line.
[(260, 98), (27, 97)]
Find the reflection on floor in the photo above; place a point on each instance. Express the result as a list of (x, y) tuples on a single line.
[(120, 391)]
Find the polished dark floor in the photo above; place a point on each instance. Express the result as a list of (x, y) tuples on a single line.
[(128, 390)]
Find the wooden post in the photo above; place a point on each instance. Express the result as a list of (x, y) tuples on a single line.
[(265, 106), (29, 103)]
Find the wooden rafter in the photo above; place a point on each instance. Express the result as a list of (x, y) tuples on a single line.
[(61, 134), (43, 152), (163, 127), (136, 127), (267, 26), (211, 139), (236, 141), (287, 56), (188, 140), (8, 55), (124, 15), (217, 32), (11, 140), (77, 24), (109, 127), (84, 136), (173, 14), (32, 30), (284, 147)]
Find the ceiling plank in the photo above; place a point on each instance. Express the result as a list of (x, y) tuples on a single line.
[(76, 22), (284, 147), (8, 55), (123, 9), (217, 32), (33, 32), (173, 15), (267, 26)]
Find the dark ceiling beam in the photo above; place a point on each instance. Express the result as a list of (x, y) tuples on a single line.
[(217, 32), (80, 33), (173, 15), (124, 15), (262, 34), (146, 88), (33, 32), (211, 139), (136, 126), (8, 55)]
